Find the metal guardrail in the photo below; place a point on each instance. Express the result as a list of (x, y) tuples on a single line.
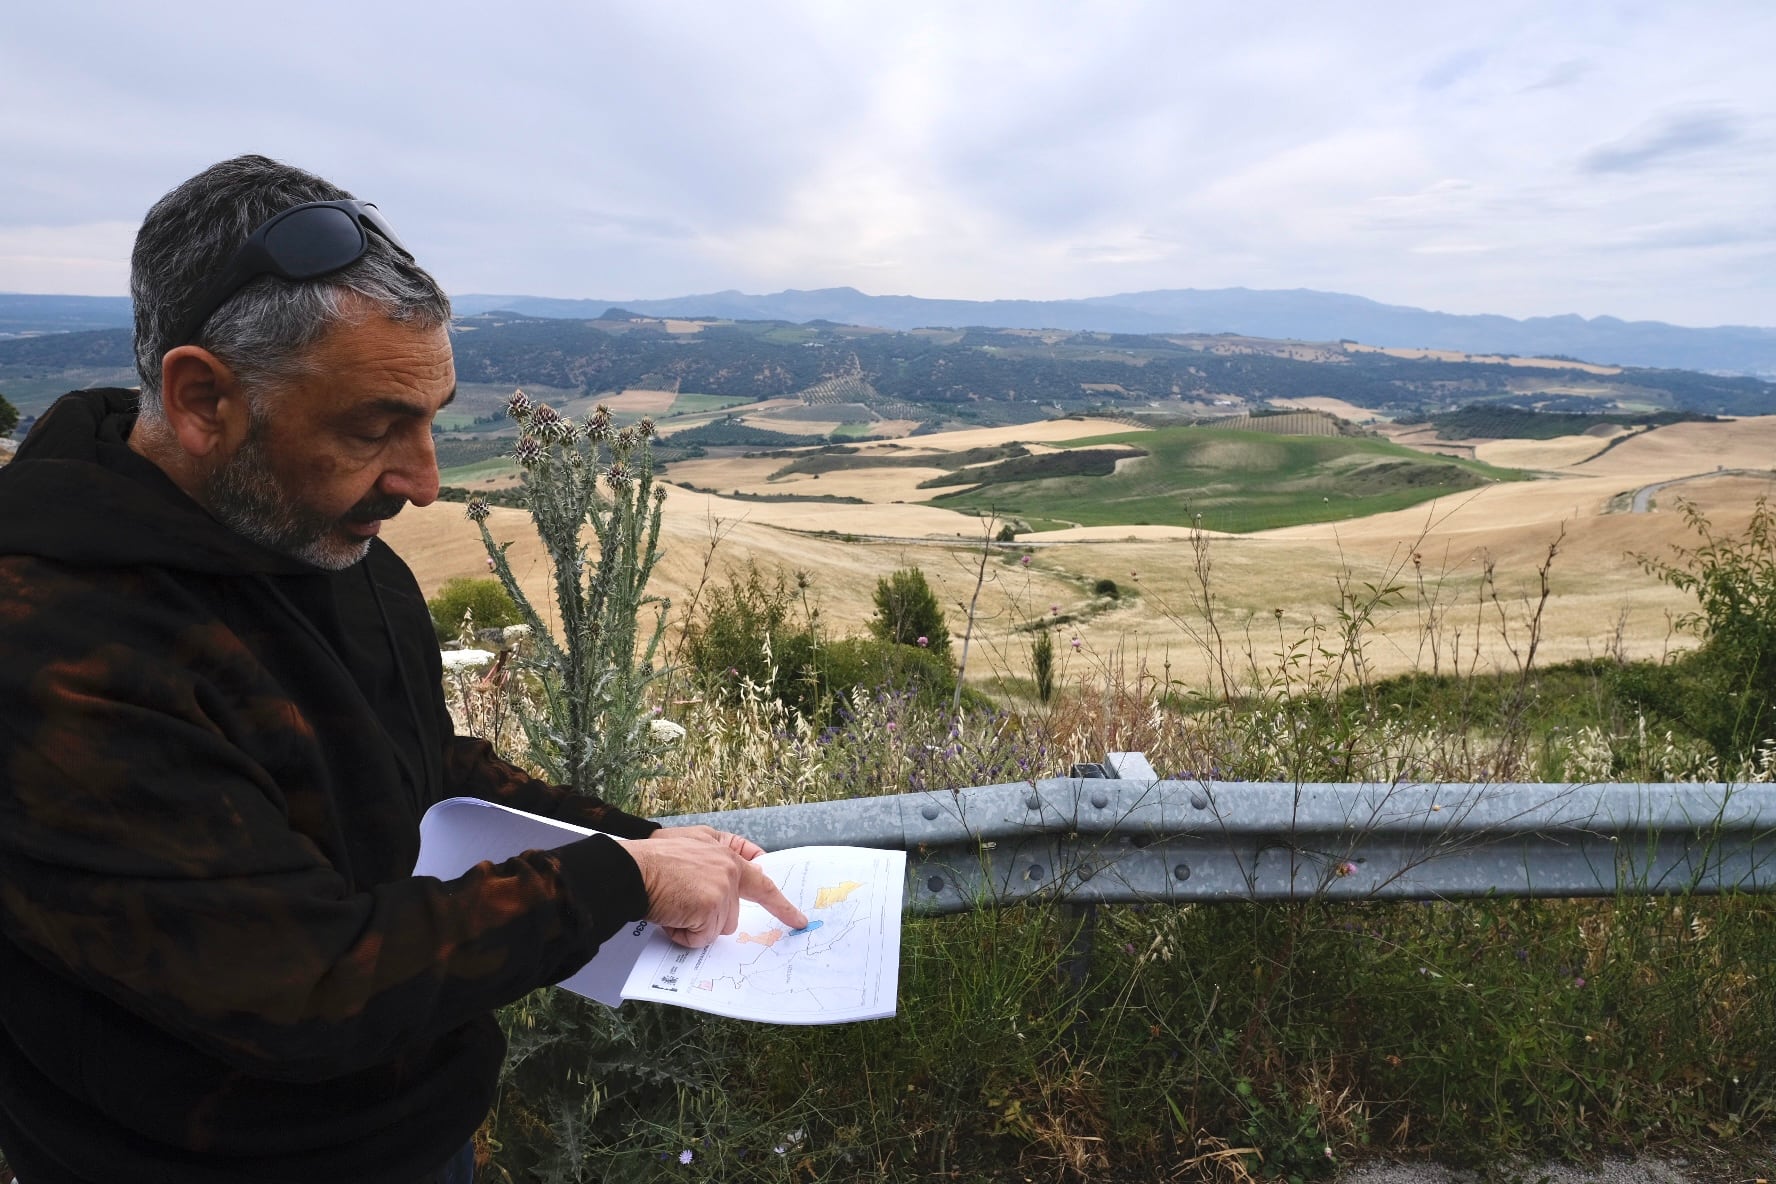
[(1131, 837)]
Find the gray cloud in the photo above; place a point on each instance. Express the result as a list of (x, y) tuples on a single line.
[(1420, 154), (1679, 134)]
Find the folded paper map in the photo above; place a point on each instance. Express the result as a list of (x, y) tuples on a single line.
[(843, 965)]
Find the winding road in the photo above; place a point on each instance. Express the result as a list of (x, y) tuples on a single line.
[(1643, 497)]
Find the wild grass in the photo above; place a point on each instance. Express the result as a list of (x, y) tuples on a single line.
[(1220, 1042)]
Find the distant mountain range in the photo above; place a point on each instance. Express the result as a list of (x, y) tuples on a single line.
[(1299, 314)]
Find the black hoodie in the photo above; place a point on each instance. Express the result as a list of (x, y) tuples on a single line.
[(215, 963)]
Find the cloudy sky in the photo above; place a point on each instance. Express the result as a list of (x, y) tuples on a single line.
[(1522, 158)]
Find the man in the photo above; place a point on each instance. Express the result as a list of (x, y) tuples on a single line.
[(221, 718)]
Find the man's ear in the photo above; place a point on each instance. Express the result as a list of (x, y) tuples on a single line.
[(205, 406)]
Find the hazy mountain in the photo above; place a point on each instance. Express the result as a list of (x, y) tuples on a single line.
[(21, 314), (1300, 314)]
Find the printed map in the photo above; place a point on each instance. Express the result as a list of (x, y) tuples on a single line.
[(843, 965)]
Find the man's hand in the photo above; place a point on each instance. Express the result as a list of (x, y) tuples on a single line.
[(696, 878)]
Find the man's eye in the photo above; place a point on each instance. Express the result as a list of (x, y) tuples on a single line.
[(371, 438)]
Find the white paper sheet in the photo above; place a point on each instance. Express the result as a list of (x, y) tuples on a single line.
[(845, 965)]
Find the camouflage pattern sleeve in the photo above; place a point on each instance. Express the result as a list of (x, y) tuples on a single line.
[(472, 769), (180, 836)]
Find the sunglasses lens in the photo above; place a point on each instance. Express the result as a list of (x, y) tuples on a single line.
[(369, 213), (314, 241)]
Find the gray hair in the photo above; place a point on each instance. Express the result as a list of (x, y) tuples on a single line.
[(265, 329)]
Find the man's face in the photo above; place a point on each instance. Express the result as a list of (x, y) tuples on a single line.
[(326, 459)]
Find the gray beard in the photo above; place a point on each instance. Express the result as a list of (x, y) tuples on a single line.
[(247, 498)]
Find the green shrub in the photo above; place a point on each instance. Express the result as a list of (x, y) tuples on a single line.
[(907, 610), (1007, 533), (745, 630), (1723, 692), (491, 605), (1107, 587), (874, 664), (9, 417)]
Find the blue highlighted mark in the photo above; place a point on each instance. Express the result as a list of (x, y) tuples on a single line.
[(810, 927)]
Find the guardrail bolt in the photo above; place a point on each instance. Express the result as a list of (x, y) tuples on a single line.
[(1085, 871), (1181, 872), (1032, 803), (1100, 799), (935, 883), (1200, 800), (930, 813), (1035, 873)]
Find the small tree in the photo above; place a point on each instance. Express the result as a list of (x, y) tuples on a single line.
[(592, 734), (9, 417), (907, 612)]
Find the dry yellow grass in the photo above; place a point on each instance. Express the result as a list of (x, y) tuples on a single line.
[(1558, 453), (794, 427), (1597, 587), (641, 402), (1456, 355), (1332, 406)]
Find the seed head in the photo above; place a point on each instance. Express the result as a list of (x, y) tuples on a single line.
[(519, 405), (529, 451), (477, 510)]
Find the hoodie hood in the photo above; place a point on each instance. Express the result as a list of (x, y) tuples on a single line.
[(76, 493)]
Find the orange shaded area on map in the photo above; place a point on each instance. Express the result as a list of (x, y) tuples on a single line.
[(827, 897), (769, 937)]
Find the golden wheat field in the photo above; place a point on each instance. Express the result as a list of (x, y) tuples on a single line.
[(1465, 569)]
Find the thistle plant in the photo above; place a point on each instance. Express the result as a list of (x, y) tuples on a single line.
[(591, 731)]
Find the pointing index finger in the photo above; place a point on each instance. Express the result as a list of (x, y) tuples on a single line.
[(755, 885)]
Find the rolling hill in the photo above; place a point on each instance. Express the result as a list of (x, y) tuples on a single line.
[(1222, 480)]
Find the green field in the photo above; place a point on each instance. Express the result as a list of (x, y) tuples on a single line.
[(693, 404), (497, 466), (1236, 481), (853, 431)]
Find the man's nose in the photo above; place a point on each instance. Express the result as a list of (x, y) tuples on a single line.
[(415, 475)]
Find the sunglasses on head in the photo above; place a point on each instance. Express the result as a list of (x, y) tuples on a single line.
[(303, 242)]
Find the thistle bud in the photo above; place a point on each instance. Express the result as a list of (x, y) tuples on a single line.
[(519, 405), (477, 510)]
